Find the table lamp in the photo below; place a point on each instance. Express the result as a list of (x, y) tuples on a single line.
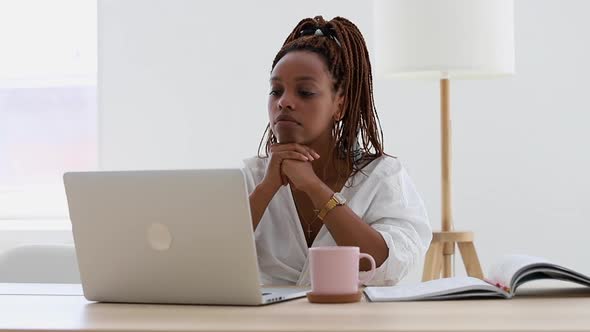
[(444, 40)]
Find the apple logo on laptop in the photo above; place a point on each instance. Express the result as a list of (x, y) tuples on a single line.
[(159, 237)]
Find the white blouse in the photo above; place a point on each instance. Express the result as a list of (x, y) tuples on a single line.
[(384, 198)]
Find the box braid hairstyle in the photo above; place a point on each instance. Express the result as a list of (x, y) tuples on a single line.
[(342, 47)]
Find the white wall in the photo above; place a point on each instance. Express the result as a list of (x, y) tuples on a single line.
[(232, 52), (520, 158)]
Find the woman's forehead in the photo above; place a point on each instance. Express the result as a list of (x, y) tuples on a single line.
[(300, 66)]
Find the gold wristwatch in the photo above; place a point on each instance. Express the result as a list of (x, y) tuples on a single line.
[(337, 199)]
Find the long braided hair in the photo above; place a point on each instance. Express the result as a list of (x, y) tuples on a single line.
[(342, 47)]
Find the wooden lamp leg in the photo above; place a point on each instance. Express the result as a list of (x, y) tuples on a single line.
[(432, 263), (439, 257), (470, 259), (433, 268)]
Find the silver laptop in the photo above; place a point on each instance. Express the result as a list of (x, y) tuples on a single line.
[(167, 236)]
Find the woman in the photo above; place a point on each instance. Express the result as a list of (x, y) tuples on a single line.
[(317, 185)]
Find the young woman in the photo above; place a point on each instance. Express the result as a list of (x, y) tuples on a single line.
[(325, 180)]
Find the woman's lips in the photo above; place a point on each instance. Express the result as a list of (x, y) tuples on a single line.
[(287, 123)]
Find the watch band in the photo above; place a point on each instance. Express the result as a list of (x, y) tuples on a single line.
[(332, 203)]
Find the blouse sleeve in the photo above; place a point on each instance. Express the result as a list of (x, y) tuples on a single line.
[(253, 171), (398, 213)]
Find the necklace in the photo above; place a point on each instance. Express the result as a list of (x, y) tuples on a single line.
[(308, 236)]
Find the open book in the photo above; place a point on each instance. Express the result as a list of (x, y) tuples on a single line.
[(502, 281)]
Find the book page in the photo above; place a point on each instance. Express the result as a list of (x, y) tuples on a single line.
[(550, 271), (455, 287), (504, 271)]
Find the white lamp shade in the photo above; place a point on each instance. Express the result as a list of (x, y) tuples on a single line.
[(444, 38)]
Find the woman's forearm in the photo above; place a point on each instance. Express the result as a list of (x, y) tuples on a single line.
[(259, 200), (348, 229)]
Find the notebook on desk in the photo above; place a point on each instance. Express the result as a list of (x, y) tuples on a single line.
[(167, 236), (502, 280)]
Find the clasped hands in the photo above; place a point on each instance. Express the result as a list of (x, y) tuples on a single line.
[(290, 163)]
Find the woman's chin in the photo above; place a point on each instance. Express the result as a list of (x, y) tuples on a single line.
[(284, 138)]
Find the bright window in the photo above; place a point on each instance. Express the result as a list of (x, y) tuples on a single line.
[(48, 113)]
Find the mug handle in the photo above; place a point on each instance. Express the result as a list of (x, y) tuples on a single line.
[(373, 268)]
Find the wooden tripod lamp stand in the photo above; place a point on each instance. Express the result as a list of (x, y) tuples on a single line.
[(443, 40), (442, 248)]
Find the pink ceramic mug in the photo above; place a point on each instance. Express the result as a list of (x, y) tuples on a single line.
[(335, 270)]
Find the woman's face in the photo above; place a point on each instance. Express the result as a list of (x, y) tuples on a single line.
[(302, 104)]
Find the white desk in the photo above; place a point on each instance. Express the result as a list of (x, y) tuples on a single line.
[(557, 310)]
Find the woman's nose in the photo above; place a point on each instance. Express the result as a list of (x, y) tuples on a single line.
[(286, 101)]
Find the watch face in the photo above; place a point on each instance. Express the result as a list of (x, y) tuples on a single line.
[(341, 199)]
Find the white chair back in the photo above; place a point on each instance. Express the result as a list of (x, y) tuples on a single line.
[(40, 263)]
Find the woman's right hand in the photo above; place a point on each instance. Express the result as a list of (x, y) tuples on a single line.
[(274, 176)]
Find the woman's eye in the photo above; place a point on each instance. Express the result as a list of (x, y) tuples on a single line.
[(306, 93), (274, 92)]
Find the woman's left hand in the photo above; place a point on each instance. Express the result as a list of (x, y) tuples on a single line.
[(299, 173)]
